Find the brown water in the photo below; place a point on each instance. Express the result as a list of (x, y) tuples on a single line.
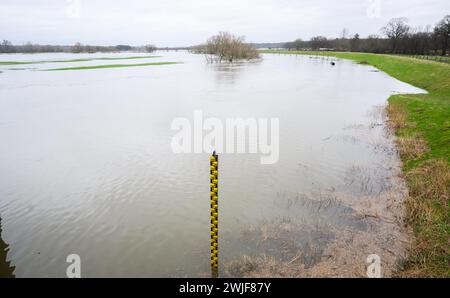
[(86, 165)]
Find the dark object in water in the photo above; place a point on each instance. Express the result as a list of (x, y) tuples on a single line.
[(6, 270), (333, 63)]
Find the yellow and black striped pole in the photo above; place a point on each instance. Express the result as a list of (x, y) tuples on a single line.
[(214, 183)]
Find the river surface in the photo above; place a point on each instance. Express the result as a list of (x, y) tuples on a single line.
[(86, 165)]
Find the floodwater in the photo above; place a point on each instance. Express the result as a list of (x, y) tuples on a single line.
[(86, 165)]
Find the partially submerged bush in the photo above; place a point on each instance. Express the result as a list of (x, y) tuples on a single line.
[(227, 47)]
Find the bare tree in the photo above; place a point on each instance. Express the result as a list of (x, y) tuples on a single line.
[(319, 42), (150, 48), (89, 49), (227, 47), (355, 43), (374, 44), (297, 44), (77, 48), (343, 43), (6, 47), (395, 30), (442, 32), (344, 33), (28, 48)]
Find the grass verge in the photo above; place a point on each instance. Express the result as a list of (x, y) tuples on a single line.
[(110, 66), (422, 126), (75, 60)]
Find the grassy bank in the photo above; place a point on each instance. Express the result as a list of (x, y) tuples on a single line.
[(422, 125), (110, 66), (75, 60)]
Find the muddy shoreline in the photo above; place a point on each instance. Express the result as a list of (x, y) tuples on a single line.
[(6, 270), (371, 222)]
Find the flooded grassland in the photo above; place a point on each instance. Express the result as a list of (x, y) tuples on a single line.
[(86, 167)]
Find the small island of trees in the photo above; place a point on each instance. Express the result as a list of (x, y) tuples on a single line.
[(227, 47)]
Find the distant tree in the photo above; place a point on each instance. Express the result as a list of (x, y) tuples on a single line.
[(124, 48), (289, 45), (355, 43), (417, 42), (297, 44), (319, 42), (89, 49), (28, 48), (442, 33), (342, 43), (396, 30), (150, 48), (426, 40), (344, 33), (6, 47), (77, 48)]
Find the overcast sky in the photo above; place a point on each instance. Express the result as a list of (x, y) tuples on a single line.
[(188, 22)]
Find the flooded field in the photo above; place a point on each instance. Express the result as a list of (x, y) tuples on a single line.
[(86, 167)]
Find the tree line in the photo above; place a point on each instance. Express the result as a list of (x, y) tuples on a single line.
[(7, 47), (397, 37)]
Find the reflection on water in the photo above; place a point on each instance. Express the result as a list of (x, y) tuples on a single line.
[(86, 165), (6, 270), (229, 73)]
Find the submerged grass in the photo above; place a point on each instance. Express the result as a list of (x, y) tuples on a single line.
[(260, 266), (110, 66), (412, 147), (75, 60), (6, 270), (422, 125)]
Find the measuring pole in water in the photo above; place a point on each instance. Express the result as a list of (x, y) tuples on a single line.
[(214, 184)]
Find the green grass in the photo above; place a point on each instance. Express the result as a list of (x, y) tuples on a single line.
[(110, 66), (427, 117), (442, 59), (75, 60), (14, 63)]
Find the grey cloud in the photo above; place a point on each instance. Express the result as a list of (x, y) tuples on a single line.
[(172, 23)]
